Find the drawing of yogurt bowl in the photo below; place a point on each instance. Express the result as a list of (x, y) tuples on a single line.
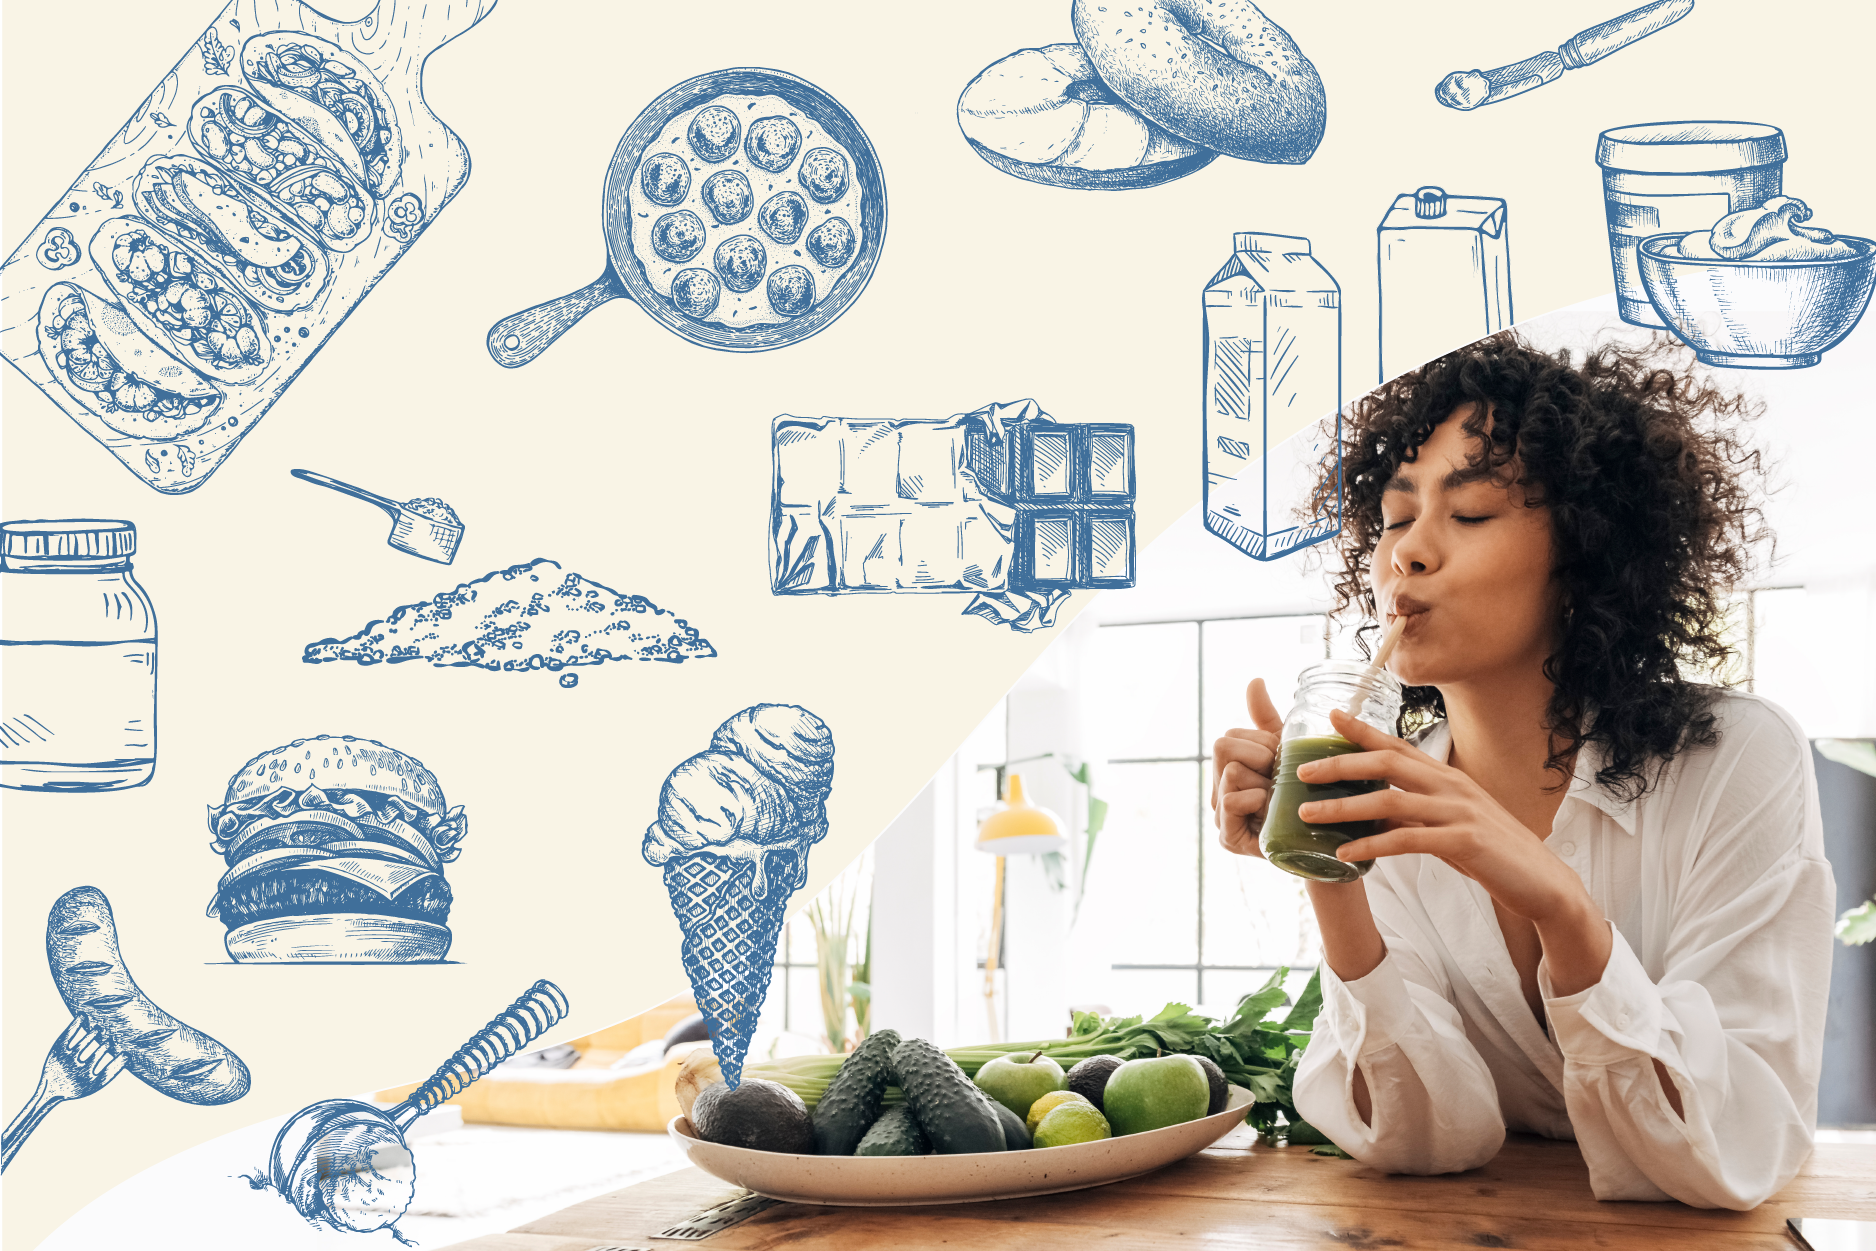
[(1758, 314)]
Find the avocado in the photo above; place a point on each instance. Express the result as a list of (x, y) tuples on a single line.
[(851, 1102), (1089, 1078), (756, 1115), (1015, 1133), (1221, 1089), (959, 1118), (896, 1132)]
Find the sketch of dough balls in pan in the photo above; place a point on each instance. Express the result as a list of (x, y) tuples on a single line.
[(728, 196), (791, 290), (783, 217), (823, 175), (832, 242), (117, 372), (730, 122), (740, 262), (772, 143), (665, 179), (713, 134), (679, 236), (1042, 115), (696, 293)]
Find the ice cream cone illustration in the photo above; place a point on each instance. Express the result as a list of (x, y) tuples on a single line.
[(733, 831)]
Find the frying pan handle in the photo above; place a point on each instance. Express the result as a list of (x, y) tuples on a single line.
[(346, 488), (516, 340)]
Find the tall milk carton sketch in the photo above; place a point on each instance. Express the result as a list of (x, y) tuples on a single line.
[(1445, 272), (1273, 387)]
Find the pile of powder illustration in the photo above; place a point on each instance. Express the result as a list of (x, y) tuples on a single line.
[(532, 616)]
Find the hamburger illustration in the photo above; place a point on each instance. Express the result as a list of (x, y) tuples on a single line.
[(335, 849)]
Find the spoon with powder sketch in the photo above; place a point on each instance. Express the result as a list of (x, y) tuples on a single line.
[(425, 527)]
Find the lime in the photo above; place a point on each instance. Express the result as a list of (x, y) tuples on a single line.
[(1047, 1104), (1072, 1122)]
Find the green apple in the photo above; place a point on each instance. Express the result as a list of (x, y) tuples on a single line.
[(1154, 1093), (1017, 1081)]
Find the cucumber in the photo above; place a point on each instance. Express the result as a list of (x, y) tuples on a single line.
[(959, 1118), (896, 1132), (851, 1102)]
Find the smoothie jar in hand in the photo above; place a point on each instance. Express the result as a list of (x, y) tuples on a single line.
[(1287, 841)]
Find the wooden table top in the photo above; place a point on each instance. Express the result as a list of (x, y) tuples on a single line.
[(1534, 1196)]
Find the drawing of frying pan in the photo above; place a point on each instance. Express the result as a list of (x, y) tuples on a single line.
[(516, 340)]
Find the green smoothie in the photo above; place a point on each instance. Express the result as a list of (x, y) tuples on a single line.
[(1298, 846)]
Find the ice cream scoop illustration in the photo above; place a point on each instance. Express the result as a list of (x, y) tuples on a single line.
[(344, 1164), (733, 831)]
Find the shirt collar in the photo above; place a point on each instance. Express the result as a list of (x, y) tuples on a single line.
[(1437, 742)]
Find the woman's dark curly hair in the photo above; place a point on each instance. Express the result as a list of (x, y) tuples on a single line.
[(1652, 490)]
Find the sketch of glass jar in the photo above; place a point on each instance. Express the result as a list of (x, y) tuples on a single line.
[(78, 646)]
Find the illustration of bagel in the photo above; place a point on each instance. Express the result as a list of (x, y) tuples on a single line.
[(272, 258), (1149, 93), (183, 1063), (116, 372)]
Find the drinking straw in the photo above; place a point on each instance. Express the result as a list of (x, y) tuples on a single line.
[(1377, 664)]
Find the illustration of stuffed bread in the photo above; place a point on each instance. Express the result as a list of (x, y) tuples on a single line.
[(220, 238)]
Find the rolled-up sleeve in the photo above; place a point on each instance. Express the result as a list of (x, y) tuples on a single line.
[(1736, 1018), (1434, 1107)]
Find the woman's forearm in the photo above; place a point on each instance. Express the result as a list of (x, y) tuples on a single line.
[(1351, 945)]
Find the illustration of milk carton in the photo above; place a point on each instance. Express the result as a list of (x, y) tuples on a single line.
[(1445, 263), (1273, 388)]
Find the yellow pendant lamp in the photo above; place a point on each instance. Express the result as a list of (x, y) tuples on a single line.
[(1019, 828)]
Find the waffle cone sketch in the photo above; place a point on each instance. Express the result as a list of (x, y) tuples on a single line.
[(734, 827)]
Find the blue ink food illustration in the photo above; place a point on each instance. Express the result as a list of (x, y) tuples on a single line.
[(1705, 243), (222, 235), (1445, 271), (78, 706), (520, 619), (1470, 89), (1661, 177), (1149, 93), (1272, 393), (744, 210), (335, 848), (344, 1165), (115, 1026), (1005, 503), (425, 527), (1761, 289), (734, 827)]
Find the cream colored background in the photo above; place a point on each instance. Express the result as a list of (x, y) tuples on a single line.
[(642, 462)]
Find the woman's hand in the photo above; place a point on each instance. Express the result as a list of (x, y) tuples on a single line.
[(1242, 764), (1439, 811)]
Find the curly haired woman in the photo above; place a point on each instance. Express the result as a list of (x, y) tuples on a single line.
[(1599, 907)]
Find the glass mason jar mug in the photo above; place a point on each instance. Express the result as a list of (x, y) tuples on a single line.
[(78, 637), (1305, 848)]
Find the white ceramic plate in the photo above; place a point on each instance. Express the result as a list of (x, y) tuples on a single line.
[(894, 1181)]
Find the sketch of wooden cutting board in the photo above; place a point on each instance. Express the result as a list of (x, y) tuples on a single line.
[(221, 237)]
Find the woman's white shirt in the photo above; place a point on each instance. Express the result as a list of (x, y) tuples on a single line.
[(1721, 901)]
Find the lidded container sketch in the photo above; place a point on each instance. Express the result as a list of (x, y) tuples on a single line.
[(1679, 176), (1305, 848), (78, 644), (1273, 391), (1445, 272)]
